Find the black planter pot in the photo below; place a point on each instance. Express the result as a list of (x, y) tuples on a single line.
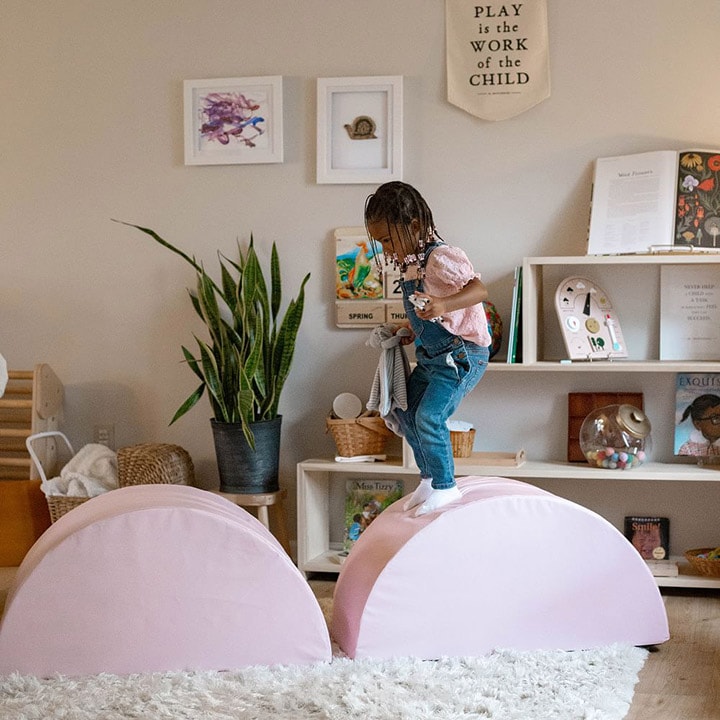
[(242, 469)]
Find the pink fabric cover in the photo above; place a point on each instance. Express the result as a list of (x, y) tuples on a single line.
[(507, 566), (155, 578)]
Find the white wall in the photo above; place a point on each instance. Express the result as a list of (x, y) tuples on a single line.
[(91, 129)]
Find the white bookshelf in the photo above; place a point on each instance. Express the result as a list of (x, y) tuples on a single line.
[(633, 283), (316, 476)]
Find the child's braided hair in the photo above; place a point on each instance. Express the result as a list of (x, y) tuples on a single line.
[(398, 204)]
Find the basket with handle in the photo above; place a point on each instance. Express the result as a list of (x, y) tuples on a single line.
[(154, 463), (364, 435), (58, 505)]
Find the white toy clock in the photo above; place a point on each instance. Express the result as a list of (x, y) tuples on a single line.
[(589, 324)]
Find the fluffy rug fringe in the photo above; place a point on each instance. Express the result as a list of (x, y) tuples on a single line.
[(506, 685)]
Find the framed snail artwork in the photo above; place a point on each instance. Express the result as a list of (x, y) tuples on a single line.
[(233, 121), (359, 129)]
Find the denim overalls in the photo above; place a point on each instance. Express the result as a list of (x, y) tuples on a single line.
[(448, 368)]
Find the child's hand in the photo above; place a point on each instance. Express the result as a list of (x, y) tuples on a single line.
[(434, 307), (406, 334)]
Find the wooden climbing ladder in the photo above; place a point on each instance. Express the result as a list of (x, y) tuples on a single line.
[(31, 403)]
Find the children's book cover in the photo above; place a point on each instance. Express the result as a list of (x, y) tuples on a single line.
[(697, 415), (364, 501), (357, 268), (650, 536)]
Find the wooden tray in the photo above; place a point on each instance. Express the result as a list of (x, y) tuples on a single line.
[(506, 459)]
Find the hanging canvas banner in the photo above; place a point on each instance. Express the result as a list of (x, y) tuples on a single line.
[(497, 56)]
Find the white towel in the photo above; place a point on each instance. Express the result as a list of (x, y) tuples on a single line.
[(459, 425), (92, 471)]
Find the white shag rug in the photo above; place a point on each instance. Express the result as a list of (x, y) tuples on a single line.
[(584, 685)]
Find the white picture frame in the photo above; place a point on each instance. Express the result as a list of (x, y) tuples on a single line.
[(359, 129), (232, 121)]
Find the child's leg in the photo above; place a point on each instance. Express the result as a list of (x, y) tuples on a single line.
[(417, 384), (448, 386)]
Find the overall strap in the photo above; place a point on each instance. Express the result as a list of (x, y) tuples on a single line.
[(419, 285)]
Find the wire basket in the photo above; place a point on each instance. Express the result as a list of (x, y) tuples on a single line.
[(703, 565), (154, 463), (58, 505), (462, 442), (364, 435)]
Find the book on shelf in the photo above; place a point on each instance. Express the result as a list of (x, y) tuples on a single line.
[(663, 568), (364, 501), (662, 201), (514, 351), (697, 415), (649, 535), (689, 312)]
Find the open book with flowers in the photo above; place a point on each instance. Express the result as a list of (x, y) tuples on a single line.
[(662, 201)]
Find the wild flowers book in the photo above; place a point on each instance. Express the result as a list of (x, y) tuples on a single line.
[(659, 201)]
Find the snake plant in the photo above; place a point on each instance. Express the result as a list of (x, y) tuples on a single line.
[(247, 359)]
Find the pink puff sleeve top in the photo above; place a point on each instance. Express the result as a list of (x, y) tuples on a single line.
[(448, 270)]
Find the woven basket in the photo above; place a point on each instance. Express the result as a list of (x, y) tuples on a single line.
[(58, 505), (154, 463), (703, 565), (359, 436), (462, 442)]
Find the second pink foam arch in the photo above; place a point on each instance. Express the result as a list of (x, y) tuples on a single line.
[(507, 566)]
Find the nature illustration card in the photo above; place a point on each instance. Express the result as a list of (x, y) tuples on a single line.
[(357, 273), (697, 219)]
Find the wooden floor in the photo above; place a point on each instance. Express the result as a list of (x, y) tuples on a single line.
[(681, 678)]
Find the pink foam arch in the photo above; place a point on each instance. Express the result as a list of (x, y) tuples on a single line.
[(507, 566), (156, 578)]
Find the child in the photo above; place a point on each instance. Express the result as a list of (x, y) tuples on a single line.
[(704, 439), (450, 332)]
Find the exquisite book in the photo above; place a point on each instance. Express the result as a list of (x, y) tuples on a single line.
[(364, 501), (697, 415), (650, 536), (655, 201)]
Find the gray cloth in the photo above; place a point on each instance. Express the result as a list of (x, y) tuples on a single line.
[(389, 388)]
